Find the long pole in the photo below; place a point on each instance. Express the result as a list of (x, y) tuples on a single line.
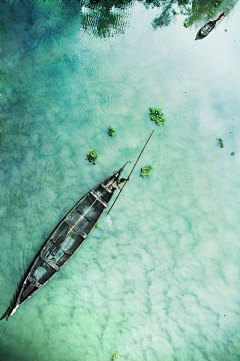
[(131, 171), (225, 13)]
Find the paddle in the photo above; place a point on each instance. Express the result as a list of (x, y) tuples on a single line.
[(131, 171)]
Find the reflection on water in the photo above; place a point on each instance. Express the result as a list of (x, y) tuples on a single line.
[(155, 280), (106, 18), (111, 17)]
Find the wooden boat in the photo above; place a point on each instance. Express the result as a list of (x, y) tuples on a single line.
[(67, 237), (208, 27)]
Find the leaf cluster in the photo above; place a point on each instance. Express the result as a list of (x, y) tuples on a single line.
[(111, 131), (221, 142), (114, 356), (145, 171), (92, 156), (156, 114)]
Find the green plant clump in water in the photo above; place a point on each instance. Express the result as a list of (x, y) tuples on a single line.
[(145, 171), (97, 224), (92, 156), (233, 153), (221, 142), (156, 114), (186, 24), (111, 131), (114, 356)]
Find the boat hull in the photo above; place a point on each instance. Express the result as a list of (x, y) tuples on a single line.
[(66, 239), (207, 28)]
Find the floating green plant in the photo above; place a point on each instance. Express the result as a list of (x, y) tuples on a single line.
[(233, 153), (145, 171), (186, 24), (221, 142), (111, 131), (156, 114), (114, 356), (97, 224), (92, 156)]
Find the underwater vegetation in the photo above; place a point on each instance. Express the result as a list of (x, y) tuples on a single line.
[(156, 114), (146, 171), (233, 153), (111, 131), (97, 224), (221, 142), (92, 156)]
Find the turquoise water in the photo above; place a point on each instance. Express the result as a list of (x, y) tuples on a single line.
[(155, 280)]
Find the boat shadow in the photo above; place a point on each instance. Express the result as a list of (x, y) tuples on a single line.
[(12, 303)]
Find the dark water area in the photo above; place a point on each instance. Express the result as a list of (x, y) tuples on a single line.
[(159, 279)]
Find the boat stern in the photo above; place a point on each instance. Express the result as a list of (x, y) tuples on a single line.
[(13, 311)]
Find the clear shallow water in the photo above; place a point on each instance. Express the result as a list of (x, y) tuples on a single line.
[(155, 281)]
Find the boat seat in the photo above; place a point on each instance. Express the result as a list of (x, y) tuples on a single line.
[(83, 215), (33, 279), (106, 188), (68, 253), (51, 263), (34, 283), (77, 229), (95, 195)]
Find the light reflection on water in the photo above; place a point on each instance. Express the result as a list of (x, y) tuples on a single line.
[(154, 285)]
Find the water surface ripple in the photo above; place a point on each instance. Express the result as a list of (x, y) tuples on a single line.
[(159, 279)]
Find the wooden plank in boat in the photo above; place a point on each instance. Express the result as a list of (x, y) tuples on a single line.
[(76, 228), (106, 188), (31, 279), (95, 195), (50, 262)]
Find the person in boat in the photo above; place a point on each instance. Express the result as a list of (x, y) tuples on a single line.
[(220, 16), (208, 27), (117, 183)]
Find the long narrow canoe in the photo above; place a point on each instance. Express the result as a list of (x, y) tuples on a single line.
[(67, 237), (208, 27)]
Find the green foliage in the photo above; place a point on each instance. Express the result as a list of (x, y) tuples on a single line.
[(186, 24), (114, 356), (156, 114), (92, 156), (97, 224), (111, 131), (233, 153), (145, 171), (221, 142)]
